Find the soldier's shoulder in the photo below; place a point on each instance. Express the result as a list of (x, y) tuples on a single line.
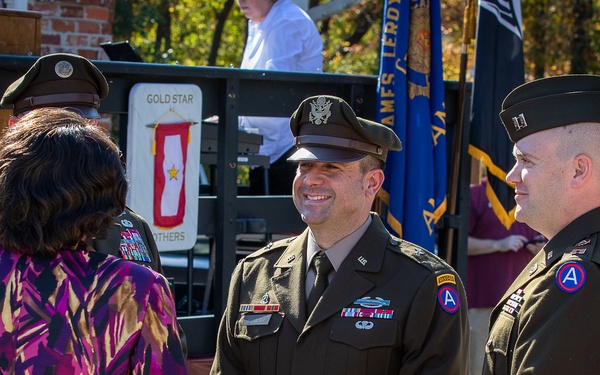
[(418, 254), (129, 214), (272, 248)]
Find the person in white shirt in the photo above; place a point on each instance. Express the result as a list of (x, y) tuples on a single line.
[(282, 37)]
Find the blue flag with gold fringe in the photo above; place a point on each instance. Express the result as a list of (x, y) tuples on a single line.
[(499, 68), (410, 99)]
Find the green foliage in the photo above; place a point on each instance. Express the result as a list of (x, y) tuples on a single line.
[(192, 27), (341, 54), (559, 36)]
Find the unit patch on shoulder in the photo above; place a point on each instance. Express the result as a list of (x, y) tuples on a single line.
[(570, 277), (448, 299)]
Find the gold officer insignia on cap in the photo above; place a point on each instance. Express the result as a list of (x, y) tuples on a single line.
[(63, 69), (519, 122), (320, 110)]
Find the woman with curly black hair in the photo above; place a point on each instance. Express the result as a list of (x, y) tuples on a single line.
[(65, 308)]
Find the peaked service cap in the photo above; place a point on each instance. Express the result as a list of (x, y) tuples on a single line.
[(325, 128), (58, 80)]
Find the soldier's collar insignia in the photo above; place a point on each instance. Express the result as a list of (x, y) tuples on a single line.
[(320, 111)]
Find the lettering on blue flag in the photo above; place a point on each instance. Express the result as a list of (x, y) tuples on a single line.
[(410, 99), (499, 68)]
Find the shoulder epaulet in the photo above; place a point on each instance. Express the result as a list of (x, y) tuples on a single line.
[(420, 255), (271, 247)]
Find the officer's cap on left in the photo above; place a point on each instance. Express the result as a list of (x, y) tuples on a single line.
[(58, 80), (326, 129), (550, 103)]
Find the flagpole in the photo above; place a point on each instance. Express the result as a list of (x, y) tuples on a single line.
[(469, 23)]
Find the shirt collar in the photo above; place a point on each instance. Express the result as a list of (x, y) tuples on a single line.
[(340, 250)]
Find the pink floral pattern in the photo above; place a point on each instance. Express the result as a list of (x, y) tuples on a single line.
[(82, 312)]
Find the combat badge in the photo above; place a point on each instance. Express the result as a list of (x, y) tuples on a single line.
[(570, 277), (372, 302)]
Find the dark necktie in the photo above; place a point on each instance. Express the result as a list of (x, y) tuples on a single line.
[(323, 267)]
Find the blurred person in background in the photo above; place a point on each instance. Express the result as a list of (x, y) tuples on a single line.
[(282, 37)]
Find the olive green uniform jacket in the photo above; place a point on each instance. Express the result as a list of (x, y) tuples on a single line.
[(413, 306), (130, 238), (547, 321)]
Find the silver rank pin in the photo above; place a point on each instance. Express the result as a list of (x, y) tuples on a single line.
[(519, 122), (533, 269), (320, 110)]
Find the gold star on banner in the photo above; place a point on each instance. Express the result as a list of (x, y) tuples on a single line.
[(173, 173)]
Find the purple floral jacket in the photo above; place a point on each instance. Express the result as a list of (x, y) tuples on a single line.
[(82, 312)]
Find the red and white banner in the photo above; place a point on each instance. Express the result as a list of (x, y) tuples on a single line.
[(171, 142), (163, 160)]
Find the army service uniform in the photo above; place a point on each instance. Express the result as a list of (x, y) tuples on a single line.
[(392, 308), (546, 322), (130, 238)]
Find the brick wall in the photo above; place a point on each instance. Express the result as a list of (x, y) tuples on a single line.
[(75, 26)]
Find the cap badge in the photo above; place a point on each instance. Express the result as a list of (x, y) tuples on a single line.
[(63, 69), (519, 122), (320, 111)]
